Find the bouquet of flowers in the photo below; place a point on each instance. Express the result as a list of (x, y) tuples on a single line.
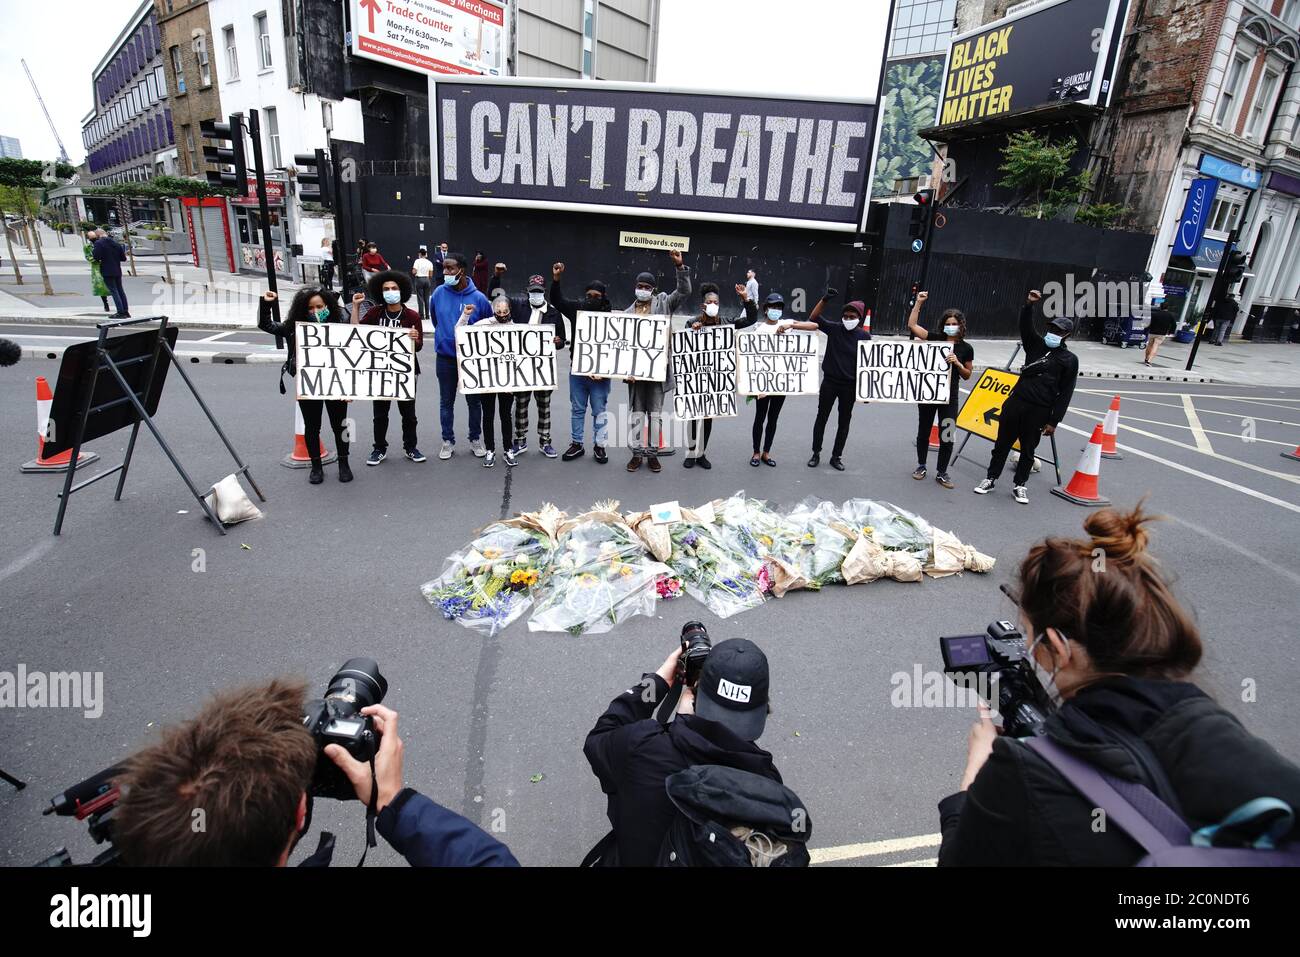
[(893, 528), (723, 570), (825, 539), (750, 526), (489, 583), (600, 576)]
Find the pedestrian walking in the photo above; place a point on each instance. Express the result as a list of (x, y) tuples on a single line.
[(1225, 315), (110, 255), (1160, 326), (961, 360), (97, 285), (327, 262)]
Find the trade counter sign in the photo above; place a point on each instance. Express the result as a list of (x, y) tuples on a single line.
[(980, 412)]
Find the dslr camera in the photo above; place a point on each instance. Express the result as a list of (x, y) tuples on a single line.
[(696, 646), (337, 719), (1001, 657)]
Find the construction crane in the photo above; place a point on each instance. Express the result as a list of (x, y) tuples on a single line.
[(63, 153)]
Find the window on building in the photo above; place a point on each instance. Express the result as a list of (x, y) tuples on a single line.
[(262, 31), (178, 68), (586, 63), (1223, 215), (1262, 108), (188, 135), (1291, 12), (588, 17), (232, 54), (1225, 114), (205, 64), (160, 77), (273, 136)]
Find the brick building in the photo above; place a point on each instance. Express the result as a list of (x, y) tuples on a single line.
[(187, 50)]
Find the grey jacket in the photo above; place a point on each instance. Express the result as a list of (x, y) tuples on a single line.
[(666, 303)]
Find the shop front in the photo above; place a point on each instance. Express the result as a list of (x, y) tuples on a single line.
[(249, 227)]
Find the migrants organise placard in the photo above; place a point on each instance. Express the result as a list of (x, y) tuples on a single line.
[(896, 370), (505, 358), (704, 373), (620, 345), (337, 361), (770, 363)]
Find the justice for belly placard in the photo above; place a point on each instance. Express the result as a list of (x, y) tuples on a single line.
[(620, 345)]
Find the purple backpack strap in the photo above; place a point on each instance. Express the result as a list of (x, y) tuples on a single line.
[(1131, 806)]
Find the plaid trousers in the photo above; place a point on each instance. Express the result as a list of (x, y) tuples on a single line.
[(543, 416)]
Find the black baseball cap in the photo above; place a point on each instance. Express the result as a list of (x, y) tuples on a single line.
[(775, 299), (733, 688), (1062, 325)]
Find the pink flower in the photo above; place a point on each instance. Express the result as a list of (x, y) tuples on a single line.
[(764, 580)]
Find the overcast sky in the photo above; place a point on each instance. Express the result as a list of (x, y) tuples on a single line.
[(735, 45)]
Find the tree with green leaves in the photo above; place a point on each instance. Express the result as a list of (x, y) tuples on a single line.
[(1040, 169), (21, 178)]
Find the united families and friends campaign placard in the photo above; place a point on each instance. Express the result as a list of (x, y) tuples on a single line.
[(704, 373), (505, 358), (619, 345), (337, 361), (892, 370), (777, 364)]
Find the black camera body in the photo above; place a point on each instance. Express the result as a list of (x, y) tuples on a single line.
[(1001, 654), (696, 646), (337, 719)]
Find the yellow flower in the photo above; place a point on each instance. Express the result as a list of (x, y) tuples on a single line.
[(869, 531), (625, 571), (491, 553), (587, 579)]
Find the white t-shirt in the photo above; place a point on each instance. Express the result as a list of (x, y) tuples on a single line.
[(422, 268)]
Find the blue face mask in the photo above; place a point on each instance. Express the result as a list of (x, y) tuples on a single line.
[(392, 297), (450, 279), (773, 315), (1052, 340)]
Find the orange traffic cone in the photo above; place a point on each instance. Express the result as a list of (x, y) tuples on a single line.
[(1082, 489), (1294, 456), (298, 458), (866, 322), (934, 437), (1110, 431), (55, 463)]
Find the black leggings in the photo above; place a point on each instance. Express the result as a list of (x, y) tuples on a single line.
[(767, 408), (831, 392), (947, 414), (311, 416), (502, 402), (1019, 421), (697, 444)]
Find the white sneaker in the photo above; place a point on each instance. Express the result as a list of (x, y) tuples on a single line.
[(489, 459), (984, 487), (448, 449), (510, 458), (1022, 494), (477, 447)]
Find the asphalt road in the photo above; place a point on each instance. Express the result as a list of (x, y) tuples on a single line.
[(334, 571)]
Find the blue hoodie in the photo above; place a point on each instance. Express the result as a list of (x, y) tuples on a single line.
[(446, 304)]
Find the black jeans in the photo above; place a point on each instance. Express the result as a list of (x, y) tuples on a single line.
[(1023, 422), (311, 416), (407, 410), (767, 408), (499, 403), (423, 290), (118, 292), (947, 414), (698, 445), (831, 392)]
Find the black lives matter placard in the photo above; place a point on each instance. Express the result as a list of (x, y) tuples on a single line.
[(704, 373), (658, 152), (620, 345), (777, 364), (505, 358), (892, 370), (337, 361)]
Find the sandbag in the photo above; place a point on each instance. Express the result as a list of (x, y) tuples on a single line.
[(230, 502)]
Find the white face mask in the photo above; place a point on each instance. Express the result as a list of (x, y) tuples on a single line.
[(643, 295), (710, 309), (951, 330), (850, 324), (1047, 679), (536, 300)]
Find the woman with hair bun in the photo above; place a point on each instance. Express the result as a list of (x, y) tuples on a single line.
[(961, 360), (1114, 650)]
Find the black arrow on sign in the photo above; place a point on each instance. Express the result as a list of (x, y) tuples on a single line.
[(991, 415)]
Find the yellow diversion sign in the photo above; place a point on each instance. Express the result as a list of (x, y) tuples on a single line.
[(980, 412)]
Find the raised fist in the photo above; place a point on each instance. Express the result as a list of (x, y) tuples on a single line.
[(1034, 296), (358, 298), (270, 296), (557, 270)]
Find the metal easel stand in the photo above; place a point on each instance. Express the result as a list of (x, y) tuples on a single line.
[(18, 785), (105, 361)]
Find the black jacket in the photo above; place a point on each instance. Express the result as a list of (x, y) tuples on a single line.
[(110, 255), (1048, 375), (521, 311), (284, 330), (633, 754), (569, 308), (1167, 735), (840, 364)]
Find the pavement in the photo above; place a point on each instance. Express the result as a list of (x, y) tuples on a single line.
[(147, 592)]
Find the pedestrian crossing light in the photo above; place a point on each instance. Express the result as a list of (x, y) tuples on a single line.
[(1236, 267), (922, 212), (214, 154), (314, 182)]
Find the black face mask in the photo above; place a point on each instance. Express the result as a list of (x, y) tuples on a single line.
[(598, 304)]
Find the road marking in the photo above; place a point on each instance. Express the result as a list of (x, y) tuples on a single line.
[(1191, 471), (1198, 433), (33, 553), (1175, 405), (847, 852), (219, 335), (1240, 550), (923, 862), (1194, 395), (1294, 479)]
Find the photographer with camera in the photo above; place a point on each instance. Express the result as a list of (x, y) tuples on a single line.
[(1119, 727), (234, 785), (721, 712)]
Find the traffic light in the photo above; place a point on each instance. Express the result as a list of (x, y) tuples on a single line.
[(1235, 268), (919, 226), (222, 156), (315, 184)]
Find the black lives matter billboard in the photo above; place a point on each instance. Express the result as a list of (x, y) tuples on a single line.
[(652, 151), (1047, 55)]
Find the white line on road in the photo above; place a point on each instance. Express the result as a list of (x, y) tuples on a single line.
[(1240, 550), (33, 553), (1194, 395), (1176, 405), (1198, 433), (846, 852), (923, 862), (219, 335)]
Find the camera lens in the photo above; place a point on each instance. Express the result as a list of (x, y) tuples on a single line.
[(359, 683), (693, 629)]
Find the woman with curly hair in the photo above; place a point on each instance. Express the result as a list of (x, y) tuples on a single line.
[(391, 290), (311, 304)]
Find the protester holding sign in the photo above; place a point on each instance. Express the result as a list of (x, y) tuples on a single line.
[(1039, 399), (839, 374), (646, 399), (393, 289), (767, 408), (961, 359), (450, 301), (534, 310), (311, 304), (699, 435), (496, 403), (584, 391)]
